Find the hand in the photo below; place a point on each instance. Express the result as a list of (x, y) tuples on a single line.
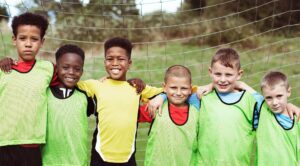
[(240, 85), (138, 84), (154, 105), (6, 64), (204, 90), (293, 110)]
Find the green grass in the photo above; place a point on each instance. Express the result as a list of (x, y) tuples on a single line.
[(149, 64), (151, 60)]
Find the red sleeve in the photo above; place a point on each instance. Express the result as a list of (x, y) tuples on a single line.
[(144, 115), (54, 80)]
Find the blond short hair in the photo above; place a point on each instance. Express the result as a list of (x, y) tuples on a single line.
[(178, 71), (274, 78)]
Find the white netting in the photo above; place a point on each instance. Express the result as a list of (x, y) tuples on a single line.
[(266, 33)]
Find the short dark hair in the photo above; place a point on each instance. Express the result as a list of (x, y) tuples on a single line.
[(30, 19), (178, 71), (227, 57), (273, 78), (119, 42), (69, 48)]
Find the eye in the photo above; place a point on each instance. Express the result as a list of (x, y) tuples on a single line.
[(268, 98), (279, 96), (173, 87), (228, 75), (35, 39), (22, 38), (109, 59), (77, 69)]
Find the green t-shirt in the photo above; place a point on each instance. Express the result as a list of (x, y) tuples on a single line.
[(23, 105), (225, 130), (275, 144), (67, 131), (172, 144)]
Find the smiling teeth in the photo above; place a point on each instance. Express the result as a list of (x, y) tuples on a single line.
[(115, 71), (70, 79)]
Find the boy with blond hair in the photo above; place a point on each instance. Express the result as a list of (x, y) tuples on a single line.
[(173, 135), (278, 136), (226, 131)]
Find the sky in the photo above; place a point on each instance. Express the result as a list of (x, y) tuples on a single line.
[(145, 6)]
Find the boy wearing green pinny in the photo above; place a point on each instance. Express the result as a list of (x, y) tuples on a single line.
[(173, 135), (278, 136)]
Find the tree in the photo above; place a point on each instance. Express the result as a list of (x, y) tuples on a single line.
[(3, 13)]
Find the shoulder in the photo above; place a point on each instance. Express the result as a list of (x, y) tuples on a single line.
[(44, 63), (47, 65)]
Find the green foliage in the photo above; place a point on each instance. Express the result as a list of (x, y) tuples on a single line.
[(3, 13)]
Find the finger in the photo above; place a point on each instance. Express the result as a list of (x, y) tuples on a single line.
[(15, 62), (9, 67), (297, 118), (146, 108), (159, 111), (291, 114), (5, 68)]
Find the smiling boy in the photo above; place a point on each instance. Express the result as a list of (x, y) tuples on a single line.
[(68, 110), (173, 135), (226, 132), (117, 107)]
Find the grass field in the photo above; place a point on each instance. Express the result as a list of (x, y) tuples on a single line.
[(149, 64), (151, 60)]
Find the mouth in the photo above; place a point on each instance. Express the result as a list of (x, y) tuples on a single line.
[(115, 71), (222, 86), (28, 51), (70, 79)]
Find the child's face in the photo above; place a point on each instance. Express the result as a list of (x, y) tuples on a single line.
[(69, 69), (28, 42), (276, 98), (117, 63), (177, 89), (224, 78)]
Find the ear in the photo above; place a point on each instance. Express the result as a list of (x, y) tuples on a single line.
[(164, 86), (289, 91), (14, 40), (210, 71), (240, 74), (129, 63)]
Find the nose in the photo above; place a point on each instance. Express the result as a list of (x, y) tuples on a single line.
[(275, 102), (115, 62), (71, 71), (28, 43), (222, 79), (178, 92)]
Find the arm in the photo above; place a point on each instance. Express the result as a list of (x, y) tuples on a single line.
[(204, 90), (150, 91), (155, 104), (6, 64), (138, 84), (298, 143), (92, 106), (243, 86), (293, 110), (88, 87), (144, 115)]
